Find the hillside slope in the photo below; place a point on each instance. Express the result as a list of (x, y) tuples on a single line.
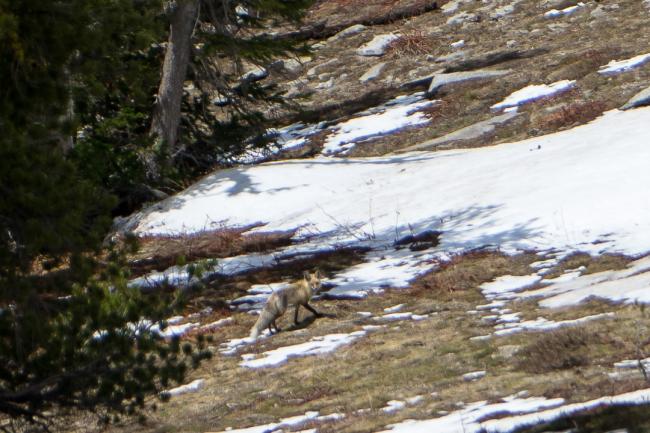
[(471, 180)]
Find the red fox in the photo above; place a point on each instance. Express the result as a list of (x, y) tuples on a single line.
[(297, 294)]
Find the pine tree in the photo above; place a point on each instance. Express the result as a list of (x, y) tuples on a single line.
[(79, 79), (214, 40), (73, 335)]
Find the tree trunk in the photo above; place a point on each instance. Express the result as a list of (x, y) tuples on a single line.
[(167, 110)]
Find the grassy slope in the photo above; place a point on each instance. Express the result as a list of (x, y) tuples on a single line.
[(419, 358), (409, 358)]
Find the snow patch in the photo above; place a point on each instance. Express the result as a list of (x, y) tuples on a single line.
[(458, 44), (316, 346), (533, 92), (396, 114), (394, 309), (293, 421), (393, 317), (633, 363), (469, 419), (217, 324), (554, 13), (393, 406), (506, 284), (517, 422), (542, 324), (474, 375), (193, 386), (377, 46), (618, 66), (630, 285)]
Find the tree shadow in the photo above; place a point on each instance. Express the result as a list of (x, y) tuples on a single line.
[(390, 265), (233, 182)]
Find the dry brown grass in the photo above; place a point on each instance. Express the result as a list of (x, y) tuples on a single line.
[(402, 360), (558, 350), (439, 111), (413, 43), (468, 271), (572, 114), (161, 252), (605, 262)]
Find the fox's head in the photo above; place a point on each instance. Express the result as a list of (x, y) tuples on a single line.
[(314, 280)]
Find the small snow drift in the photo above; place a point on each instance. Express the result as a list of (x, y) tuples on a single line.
[(469, 419), (554, 13), (533, 92), (630, 285), (193, 386), (618, 66), (396, 114), (316, 346), (377, 46)]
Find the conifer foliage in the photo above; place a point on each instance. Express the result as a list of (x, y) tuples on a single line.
[(78, 104), (230, 50)]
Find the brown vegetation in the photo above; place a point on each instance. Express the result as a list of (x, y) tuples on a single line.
[(592, 264), (413, 43), (468, 271), (161, 252), (571, 114), (558, 350)]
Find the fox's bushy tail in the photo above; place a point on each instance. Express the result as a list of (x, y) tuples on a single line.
[(263, 321)]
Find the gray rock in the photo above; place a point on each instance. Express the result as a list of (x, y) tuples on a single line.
[(451, 57), (640, 99), (326, 85), (471, 132), (461, 18), (350, 31), (372, 73), (292, 65), (298, 88), (453, 6), (421, 80), (440, 80), (508, 350), (312, 72), (599, 12), (256, 73), (502, 11)]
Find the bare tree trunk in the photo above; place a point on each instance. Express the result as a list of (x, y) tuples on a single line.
[(167, 111)]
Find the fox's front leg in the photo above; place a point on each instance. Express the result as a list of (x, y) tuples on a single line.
[(295, 314), (312, 309)]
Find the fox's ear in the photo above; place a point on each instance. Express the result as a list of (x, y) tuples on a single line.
[(317, 274), (306, 275)]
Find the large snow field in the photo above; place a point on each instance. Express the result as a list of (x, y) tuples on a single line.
[(581, 189)]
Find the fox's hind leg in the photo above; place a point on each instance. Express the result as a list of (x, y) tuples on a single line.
[(295, 314), (312, 309)]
